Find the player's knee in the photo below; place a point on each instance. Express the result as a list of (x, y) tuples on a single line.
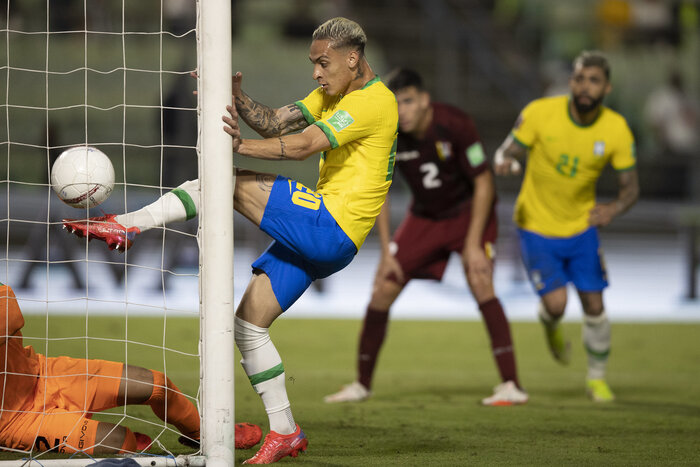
[(481, 289), (554, 302), (593, 309), (384, 294), (249, 336), (553, 309), (592, 303)]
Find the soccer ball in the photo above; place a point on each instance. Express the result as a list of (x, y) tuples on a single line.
[(82, 176)]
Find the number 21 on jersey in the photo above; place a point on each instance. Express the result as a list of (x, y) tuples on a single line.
[(302, 196), (567, 165)]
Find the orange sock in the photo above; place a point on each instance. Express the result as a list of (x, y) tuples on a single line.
[(129, 445), (175, 408)]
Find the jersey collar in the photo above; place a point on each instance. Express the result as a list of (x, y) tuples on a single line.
[(571, 117), (371, 82)]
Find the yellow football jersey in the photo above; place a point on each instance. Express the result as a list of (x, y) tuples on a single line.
[(355, 174), (564, 163)]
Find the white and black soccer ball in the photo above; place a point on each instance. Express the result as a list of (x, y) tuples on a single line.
[(82, 176)]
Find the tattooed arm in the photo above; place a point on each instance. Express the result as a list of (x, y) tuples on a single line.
[(266, 121), (293, 147)]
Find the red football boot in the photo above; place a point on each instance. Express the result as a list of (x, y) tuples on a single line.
[(277, 446), (104, 228)]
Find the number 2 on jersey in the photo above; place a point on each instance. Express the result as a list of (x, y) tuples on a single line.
[(430, 177), (302, 196)]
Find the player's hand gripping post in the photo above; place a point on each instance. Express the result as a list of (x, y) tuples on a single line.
[(232, 127)]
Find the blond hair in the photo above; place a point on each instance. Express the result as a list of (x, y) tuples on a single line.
[(593, 58), (342, 32)]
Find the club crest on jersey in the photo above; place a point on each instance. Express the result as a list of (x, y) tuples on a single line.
[(444, 149), (599, 148), (340, 120)]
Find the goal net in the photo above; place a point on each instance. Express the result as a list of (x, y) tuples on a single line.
[(118, 75)]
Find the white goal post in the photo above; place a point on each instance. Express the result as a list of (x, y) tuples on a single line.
[(216, 233)]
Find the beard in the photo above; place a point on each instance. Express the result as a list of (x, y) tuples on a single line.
[(582, 108)]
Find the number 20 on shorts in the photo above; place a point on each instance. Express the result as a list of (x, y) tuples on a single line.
[(302, 196)]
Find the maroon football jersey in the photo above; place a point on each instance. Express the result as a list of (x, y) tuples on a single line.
[(437, 167)]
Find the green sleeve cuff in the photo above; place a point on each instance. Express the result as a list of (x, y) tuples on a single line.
[(520, 143), (187, 202), (305, 112), (329, 134)]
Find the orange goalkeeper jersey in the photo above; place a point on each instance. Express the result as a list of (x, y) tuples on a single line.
[(20, 365)]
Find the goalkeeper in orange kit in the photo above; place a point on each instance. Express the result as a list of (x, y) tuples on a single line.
[(47, 402)]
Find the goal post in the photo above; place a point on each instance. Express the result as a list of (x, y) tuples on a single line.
[(216, 232)]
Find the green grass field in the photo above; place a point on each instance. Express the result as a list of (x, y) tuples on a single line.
[(431, 376)]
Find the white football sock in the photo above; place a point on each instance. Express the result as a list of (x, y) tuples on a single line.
[(596, 339), (263, 365), (180, 204)]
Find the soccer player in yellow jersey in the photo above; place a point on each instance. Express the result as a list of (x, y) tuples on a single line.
[(352, 119), (568, 141)]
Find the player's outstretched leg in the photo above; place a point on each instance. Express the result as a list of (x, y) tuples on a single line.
[(558, 345), (596, 339), (105, 228), (119, 231)]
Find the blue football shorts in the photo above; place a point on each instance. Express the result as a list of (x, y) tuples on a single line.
[(553, 262), (308, 242)]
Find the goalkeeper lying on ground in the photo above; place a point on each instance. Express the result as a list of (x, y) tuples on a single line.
[(47, 402)]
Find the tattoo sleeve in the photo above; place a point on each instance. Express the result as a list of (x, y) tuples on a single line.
[(268, 122)]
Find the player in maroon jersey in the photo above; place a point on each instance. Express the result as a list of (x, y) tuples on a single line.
[(453, 210)]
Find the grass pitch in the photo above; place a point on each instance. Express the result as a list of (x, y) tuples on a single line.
[(430, 378)]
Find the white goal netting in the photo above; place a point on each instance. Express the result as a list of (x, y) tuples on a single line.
[(113, 74)]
